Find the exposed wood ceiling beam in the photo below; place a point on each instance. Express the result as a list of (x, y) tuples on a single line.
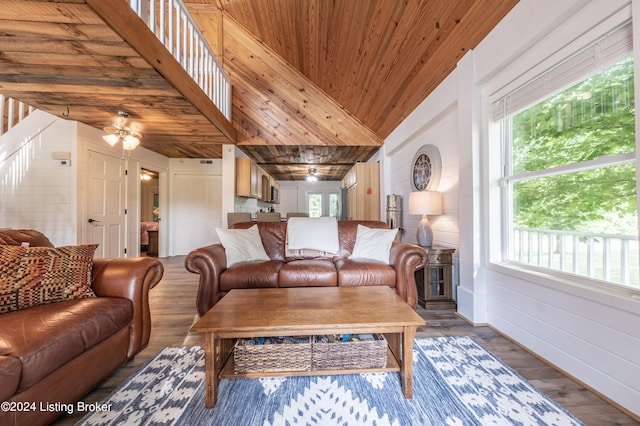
[(140, 38)]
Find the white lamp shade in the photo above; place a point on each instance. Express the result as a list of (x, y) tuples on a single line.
[(130, 142), (425, 202), (111, 139)]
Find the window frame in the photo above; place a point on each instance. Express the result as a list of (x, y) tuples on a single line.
[(498, 174), (325, 195)]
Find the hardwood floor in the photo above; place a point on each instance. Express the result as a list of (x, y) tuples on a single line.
[(173, 313)]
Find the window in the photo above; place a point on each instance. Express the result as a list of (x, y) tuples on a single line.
[(569, 173), (314, 204), (323, 203)]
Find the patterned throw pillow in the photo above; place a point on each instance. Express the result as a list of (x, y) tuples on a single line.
[(31, 276)]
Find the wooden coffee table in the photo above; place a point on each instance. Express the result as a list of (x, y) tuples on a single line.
[(306, 311)]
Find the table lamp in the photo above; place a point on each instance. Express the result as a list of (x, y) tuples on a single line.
[(425, 203)]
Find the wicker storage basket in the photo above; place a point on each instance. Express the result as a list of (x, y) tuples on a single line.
[(269, 356), (351, 354)]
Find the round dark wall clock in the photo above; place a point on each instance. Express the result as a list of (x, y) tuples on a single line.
[(425, 169)]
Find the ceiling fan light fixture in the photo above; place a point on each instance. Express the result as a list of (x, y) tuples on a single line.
[(119, 132), (130, 142), (312, 176), (111, 139)]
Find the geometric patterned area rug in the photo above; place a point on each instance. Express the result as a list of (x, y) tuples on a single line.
[(455, 382)]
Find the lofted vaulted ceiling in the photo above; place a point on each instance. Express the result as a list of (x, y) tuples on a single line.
[(316, 83), (334, 78)]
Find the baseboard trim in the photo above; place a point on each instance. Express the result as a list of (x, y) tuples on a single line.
[(468, 321)]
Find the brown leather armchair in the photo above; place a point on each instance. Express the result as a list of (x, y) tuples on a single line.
[(309, 269)]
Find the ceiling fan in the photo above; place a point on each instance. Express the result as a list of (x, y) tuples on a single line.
[(313, 175)]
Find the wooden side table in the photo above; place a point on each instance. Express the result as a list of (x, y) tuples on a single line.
[(153, 243), (435, 280)]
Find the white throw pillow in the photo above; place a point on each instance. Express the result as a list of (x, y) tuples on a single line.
[(373, 244), (313, 233), (242, 245)]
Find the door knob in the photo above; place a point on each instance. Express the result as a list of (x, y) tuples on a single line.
[(92, 220)]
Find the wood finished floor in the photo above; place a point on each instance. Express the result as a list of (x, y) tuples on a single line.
[(173, 313)]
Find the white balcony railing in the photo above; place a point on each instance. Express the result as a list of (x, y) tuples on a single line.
[(11, 113), (171, 22), (613, 258)]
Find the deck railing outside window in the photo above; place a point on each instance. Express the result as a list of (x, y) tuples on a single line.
[(612, 258), (171, 22)]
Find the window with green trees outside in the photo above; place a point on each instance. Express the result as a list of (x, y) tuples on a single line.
[(570, 179)]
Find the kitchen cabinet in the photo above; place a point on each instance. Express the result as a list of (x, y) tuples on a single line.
[(252, 181), (246, 180), (362, 184)]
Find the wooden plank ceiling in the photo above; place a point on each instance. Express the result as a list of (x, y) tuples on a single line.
[(334, 78), (316, 83), (65, 58)]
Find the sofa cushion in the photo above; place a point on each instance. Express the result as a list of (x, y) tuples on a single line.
[(31, 276), (242, 245), (373, 244), (10, 371), (358, 272), (46, 337), (308, 273), (313, 233), (347, 231), (256, 274), (272, 234)]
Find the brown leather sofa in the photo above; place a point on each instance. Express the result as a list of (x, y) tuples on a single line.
[(310, 271), (53, 354)]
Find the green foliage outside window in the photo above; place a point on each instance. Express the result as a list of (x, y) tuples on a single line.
[(592, 119), (315, 205)]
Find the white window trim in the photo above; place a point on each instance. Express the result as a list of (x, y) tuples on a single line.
[(326, 195), (597, 163), (498, 210)]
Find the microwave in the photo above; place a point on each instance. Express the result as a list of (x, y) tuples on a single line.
[(275, 194)]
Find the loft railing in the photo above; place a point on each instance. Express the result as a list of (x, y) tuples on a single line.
[(613, 258), (171, 22), (11, 113)]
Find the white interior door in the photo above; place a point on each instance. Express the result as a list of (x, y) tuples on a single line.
[(195, 211), (105, 223)]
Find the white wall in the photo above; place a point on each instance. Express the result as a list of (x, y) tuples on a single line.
[(432, 123), (591, 333), (36, 192), (293, 194)]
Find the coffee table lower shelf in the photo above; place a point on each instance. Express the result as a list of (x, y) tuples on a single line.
[(228, 370), (307, 311)]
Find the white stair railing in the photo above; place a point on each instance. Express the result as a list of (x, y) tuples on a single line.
[(171, 22), (11, 113)]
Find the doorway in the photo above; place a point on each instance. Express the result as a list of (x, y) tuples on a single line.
[(149, 212), (105, 222), (323, 203)]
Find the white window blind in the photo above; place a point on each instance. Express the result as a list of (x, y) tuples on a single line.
[(607, 50)]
